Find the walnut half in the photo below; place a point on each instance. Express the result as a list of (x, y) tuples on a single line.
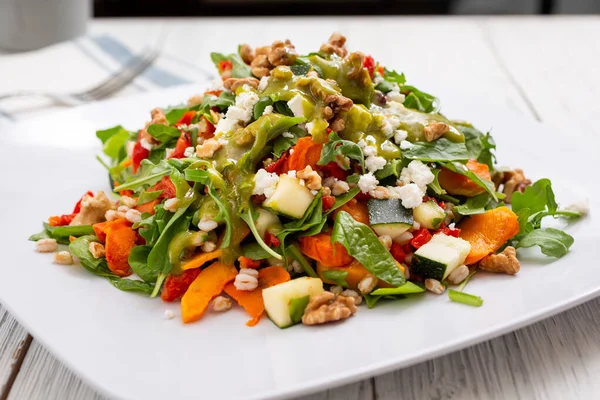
[(502, 263), (327, 307), (435, 130)]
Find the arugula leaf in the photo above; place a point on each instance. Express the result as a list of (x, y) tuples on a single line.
[(437, 151), (474, 205), (148, 175), (113, 141), (239, 68), (338, 146), (138, 261), (484, 183), (384, 87), (259, 107), (255, 251), (248, 217), (282, 144), (419, 100), (392, 76), (281, 107), (61, 233), (553, 242), (297, 255), (536, 197), (174, 114), (337, 276), (435, 185), (223, 101), (224, 215), (363, 244), (479, 146), (163, 133), (147, 197), (465, 298)]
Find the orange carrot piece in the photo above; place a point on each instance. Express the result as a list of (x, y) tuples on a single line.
[(356, 272), (356, 209), (207, 285), (306, 152), (148, 207), (487, 232), (120, 239), (100, 230), (458, 184), (320, 248), (253, 301), (202, 259)]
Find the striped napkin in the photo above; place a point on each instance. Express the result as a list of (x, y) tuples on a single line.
[(80, 64)]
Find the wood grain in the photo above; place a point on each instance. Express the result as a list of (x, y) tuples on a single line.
[(13, 339)]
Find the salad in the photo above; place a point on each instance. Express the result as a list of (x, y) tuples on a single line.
[(299, 186)]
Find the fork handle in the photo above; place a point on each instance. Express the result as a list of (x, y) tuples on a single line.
[(63, 99)]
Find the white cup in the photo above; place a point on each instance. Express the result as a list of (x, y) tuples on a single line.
[(31, 24)]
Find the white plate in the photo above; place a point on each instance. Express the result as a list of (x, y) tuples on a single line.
[(121, 344)]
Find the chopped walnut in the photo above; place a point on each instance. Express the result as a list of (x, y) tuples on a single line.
[(327, 113), (246, 53), (514, 181), (436, 130), (208, 148), (356, 59), (282, 53), (337, 125), (97, 249), (312, 178), (93, 209), (503, 263), (327, 307), (380, 192), (335, 45), (234, 83), (158, 117), (221, 304)]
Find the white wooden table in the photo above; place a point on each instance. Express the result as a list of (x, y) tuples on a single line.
[(543, 68)]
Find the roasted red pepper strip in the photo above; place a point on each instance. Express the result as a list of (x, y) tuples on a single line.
[(449, 231), (332, 169), (138, 154), (185, 119), (328, 202), (183, 143), (277, 166), (398, 253), (176, 286), (271, 240), (420, 237), (369, 64), (166, 186)]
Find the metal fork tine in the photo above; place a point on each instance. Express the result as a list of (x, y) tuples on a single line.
[(121, 78)]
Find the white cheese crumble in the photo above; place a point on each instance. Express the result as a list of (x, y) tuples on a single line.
[(396, 96), (287, 135), (310, 127), (419, 173), (390, 124), (405, 145), (226, 125), (378, 79), (400, 136), (367, 182), (268, 110), (291, 173), (146, 144), (217, 84), (367, 149), (374, 163), (189, 152), (265, 183), (411, 195), (264, 82), (240, 112), (295, 104), (169, 153), (169, 314), (582, 206)]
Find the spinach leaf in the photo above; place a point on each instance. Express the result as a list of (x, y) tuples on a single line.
[(239, 68), (174, 114), (339, 201), (553, 242), (39, 236), (437, 151), (281, 107), (147, 197), (255, 251), (222, 101), (419, 100), (384, 87), (474, 205), (484, 183), (259, 107), (282, 144), (138, 261), (338, 146), (337, 276), (297, 255), (249, 218), (61, 233), (131, 285), (479, 146), (392, 76), (435, 185), (363, 244), (224, 215), (163, 133), (113, 142), (301, 69)]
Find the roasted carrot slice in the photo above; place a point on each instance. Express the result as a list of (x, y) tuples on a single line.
[(176, 285), (207, 285), (148, 207), (100, 230), (358, 210), (202, 259), (120, 239), (320, 248), (253, 301), (458, 184), (306, 152), (487, 232)]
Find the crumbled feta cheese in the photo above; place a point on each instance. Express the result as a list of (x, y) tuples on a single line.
[(287, 135), (582, 206), (390, 124), (146, 144), (411, 195), (189, 152), (265, 183), (238, 113), (217, 84), (367, 182), (378, 79), (291, 151), (169, 314), (314, 192), (400, 136), (367, 150), (227, 125), (396, 96), (374, 163), (405, 145), (295, 104), (291, 173), (169, 153), (264, 82), (452, 225), (246, 100), (310, 127), (268, 110), (129, 146), (419, 173)]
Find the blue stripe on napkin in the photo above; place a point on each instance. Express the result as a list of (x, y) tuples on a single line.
[(119, 52)]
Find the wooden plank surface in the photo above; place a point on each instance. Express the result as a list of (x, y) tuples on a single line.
[(543, 68), (13, 347)]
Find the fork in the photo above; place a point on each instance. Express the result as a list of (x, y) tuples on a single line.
[(114, 83)]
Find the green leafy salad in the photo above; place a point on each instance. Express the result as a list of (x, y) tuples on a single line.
[(300, 186)]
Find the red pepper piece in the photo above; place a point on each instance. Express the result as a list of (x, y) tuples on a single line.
[(381, 70), (186, 118), (78, 205), (328, 202), (449, 231), (183, 143), (138, 154), (271, 240), (369, 64), (420, 237), (176, 286), (398, 253), (166, 186), (247, 262), (277, 166), (332, 169)]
